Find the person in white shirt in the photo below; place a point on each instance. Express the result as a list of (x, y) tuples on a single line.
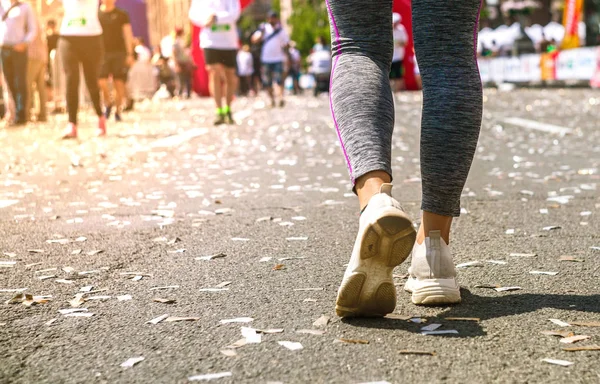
[(400, 40), (80, 44), (220, 43), (294, 66), (245, 65), (274, 42), (18, 29)]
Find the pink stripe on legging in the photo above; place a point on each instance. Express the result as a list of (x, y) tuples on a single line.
[(337, 128)]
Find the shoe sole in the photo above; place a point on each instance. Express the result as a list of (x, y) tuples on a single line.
[(370, 290), (433, 291)]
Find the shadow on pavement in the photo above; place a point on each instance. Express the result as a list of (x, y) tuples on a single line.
[(485, 308)]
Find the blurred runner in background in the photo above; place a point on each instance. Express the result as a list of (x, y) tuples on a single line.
[(274, 41), (220, 42), (320, 45), (320, 68), (18, 28), (80, 44), (245, 65), (400, 40), (141, 81), (294, 60), (165, 74), (36, 75), (52, 44), (256, 80), (184, 65), (118, 56)]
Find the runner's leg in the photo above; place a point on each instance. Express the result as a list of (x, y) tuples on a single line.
[(452, 105), (91, 66), (215, 80), (361, 97), (70, 63), (363, 111), (231, 85)]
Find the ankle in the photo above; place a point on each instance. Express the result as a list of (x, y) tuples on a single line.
[(369, 185), (433, 222)]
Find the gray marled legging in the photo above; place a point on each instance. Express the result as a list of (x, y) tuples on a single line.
[(445, 32)]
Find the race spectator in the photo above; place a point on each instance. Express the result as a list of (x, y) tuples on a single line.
[(256, 50), (118, 57), (294, 60), (184, 65), (320, 45), (18, 28), (37, 65), (166, 75), (245, 67), (400, 41), (141, 81), (274, 41), (320, 68), (417, 72), (52, 44)]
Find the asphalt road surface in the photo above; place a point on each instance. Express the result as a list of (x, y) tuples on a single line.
[(145, 207)]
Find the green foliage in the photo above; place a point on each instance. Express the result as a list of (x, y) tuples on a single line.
[(309, 19), (247, 25)]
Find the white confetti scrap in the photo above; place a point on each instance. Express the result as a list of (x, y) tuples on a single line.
[(210, 376), (237, 320), (563, 363), (560, 323), (291, 345), (158, 319), (507, 289), (543, 273), (431, 327), (131, 362), (445, 332)]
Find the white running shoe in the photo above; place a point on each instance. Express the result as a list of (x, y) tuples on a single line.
[(385, 238), (432, 277)]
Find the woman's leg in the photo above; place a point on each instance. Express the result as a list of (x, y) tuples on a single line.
[(42, 92), (363, 111), (361, 97), (445, 36), (70, 63), (445, 41)]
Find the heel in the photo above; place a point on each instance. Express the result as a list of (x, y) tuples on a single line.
[(434, 291), (391, 238), (354, 301)]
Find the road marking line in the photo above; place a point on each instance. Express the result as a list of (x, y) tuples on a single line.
[(537, 126), (242, 115), (7, 203), (177, 140)]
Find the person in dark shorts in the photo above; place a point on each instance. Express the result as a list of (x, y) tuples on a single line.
[(400, 40), (118, 56), (274, 41), (52, 42), (220, 42), (396, 71)]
